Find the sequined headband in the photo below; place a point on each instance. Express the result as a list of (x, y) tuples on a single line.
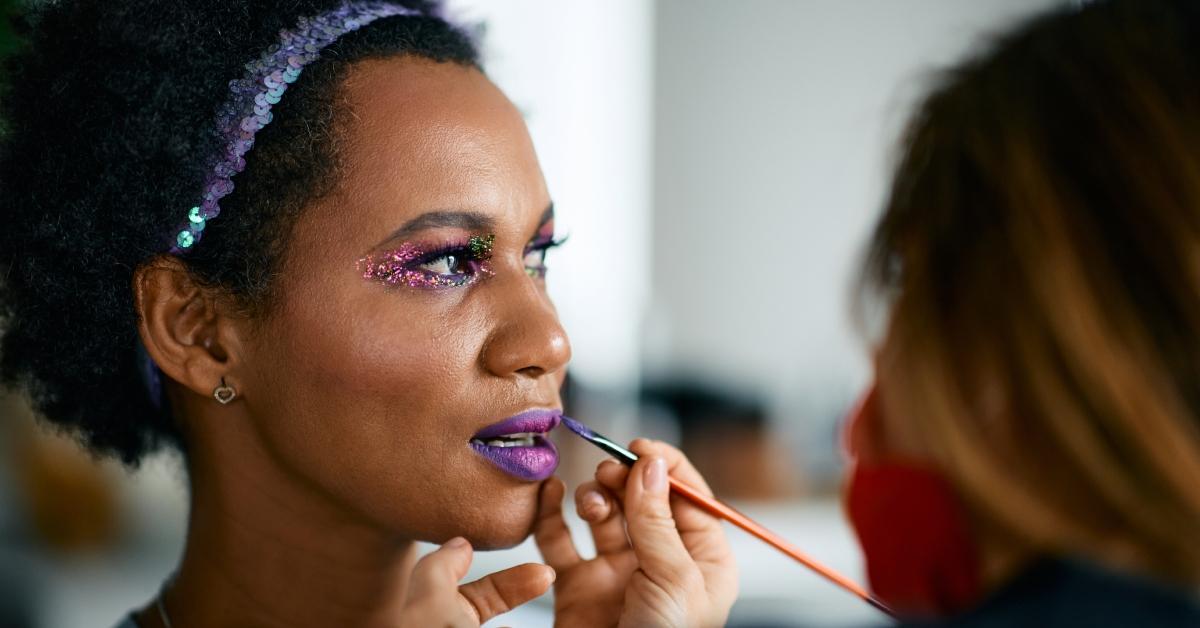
[(248, 108)]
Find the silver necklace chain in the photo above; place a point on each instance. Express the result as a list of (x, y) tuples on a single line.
[(162, 608), (162, 612)]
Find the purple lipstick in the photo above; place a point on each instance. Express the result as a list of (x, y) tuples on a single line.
[(518, 445)]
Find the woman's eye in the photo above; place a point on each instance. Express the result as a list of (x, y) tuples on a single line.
[(535, 262), (416, 267), (445, 265)]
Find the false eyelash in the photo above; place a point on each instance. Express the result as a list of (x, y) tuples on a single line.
[(552, 243), (458, 249)]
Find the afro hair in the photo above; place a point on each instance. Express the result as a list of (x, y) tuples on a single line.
[(109, 116)]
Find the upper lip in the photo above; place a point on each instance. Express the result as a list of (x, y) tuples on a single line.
[(531, 421)]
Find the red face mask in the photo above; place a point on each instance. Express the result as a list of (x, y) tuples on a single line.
[(921, 558)]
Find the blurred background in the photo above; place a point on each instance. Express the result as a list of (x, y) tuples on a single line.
[(718, 166)]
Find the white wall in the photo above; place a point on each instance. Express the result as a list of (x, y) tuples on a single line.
[(751, 138), (774, 122), (580, 71)]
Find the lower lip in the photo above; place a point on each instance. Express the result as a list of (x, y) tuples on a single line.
[(531, 464)]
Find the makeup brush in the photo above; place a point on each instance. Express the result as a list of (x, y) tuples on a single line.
[(723, 511)]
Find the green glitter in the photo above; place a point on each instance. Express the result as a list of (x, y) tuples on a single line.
[(481, 246)]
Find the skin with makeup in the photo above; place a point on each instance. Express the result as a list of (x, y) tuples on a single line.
[(423, 320), (424, 363)]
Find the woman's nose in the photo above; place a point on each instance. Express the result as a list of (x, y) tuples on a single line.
[(529, 341)]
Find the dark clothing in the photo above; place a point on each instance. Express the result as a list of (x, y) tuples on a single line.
[(1070, 594)]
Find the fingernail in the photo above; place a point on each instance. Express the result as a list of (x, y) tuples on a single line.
[(656, 476), (593, 503), (455, 543)]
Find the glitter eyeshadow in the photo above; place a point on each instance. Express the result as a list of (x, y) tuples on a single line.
[(401, 266), (535, 252)]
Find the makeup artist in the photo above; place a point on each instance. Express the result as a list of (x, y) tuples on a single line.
[(1029, 454)]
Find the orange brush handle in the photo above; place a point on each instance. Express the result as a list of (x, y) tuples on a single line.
[(723, 511)]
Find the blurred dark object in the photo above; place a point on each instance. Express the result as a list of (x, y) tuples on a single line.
[(20, 583), (19, 594), (70, 500), (729, 440), (8, 39)]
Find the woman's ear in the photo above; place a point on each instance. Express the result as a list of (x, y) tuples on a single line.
[(187, 330)]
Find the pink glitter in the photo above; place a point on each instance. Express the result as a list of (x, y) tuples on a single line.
[(401, 266)]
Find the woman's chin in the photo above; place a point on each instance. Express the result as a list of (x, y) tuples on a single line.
[(497, 542), (500, 525), (503, 532)]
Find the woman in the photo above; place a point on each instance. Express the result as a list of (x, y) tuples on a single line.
[(304, 243), (1030, 452)]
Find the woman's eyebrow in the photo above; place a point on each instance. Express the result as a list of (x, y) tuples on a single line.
[(466, 220)]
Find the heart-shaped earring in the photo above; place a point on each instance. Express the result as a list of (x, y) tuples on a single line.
[(224, 393)]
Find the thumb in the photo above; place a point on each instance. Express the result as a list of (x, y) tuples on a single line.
[(505, 590), (661, 553), (438, 572)]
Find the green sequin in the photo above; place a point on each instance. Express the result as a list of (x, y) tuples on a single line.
[(185, 239), (195, 216)]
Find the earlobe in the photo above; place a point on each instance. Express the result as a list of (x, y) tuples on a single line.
[(183, 328), (224, 393)]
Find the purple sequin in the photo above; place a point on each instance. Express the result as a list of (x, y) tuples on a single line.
[(248, 109)]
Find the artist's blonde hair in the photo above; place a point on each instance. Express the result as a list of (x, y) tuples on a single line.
[(1040, 253)]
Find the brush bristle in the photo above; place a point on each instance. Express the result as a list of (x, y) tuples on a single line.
[(577, 427)]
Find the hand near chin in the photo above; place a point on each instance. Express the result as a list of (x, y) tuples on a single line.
[(435, 598), (586, 592), (678, 571)]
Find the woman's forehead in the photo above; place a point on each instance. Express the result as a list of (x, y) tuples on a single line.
[(421, 136), (421, 111)]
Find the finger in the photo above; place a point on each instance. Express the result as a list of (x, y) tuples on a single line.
[(689, 517), (438, 572), (596, 506), (612, 476), (505, 590), (678, 464), (656, 542), (550, 531)]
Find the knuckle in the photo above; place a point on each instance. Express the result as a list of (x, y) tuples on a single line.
[(587, 487), (658, 517), (489, 602), (644, 446), (424, 569)]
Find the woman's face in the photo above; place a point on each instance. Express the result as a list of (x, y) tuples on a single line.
[(413, 315)]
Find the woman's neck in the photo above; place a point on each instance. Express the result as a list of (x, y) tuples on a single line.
[(265, 548)]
